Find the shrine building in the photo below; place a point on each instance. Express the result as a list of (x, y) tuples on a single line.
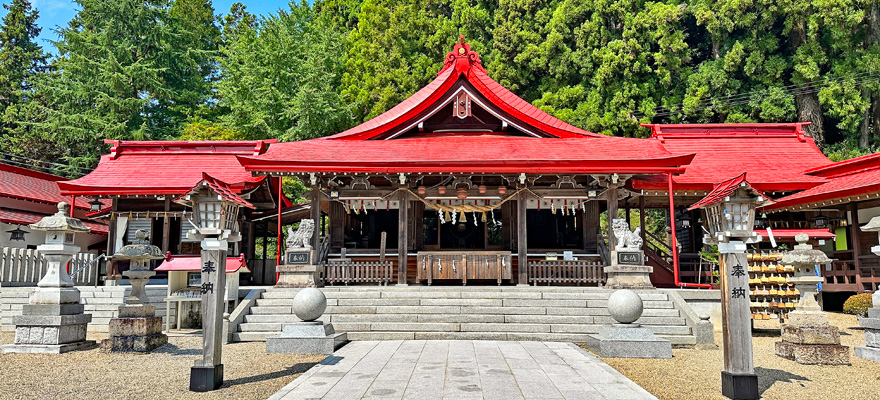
[(466, 183)]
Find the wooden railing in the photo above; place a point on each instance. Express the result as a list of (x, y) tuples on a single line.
[(25, 267), (566, 271), (358, 272)]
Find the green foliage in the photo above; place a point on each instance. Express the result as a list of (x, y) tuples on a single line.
[(858, 304), (848, 149), (21, 62)]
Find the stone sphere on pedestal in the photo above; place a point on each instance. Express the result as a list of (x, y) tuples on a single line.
[(625, 306), (309, 304)]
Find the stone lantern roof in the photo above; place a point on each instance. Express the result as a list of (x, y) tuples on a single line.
[(60, 221), (804, 253), (141, 250)]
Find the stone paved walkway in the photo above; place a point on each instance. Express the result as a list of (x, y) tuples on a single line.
[(459, 370)]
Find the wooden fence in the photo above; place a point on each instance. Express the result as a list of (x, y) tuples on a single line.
[(562, 271), (358, 272), (25, 267)]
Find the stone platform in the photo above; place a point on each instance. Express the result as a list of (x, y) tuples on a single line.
[(461, 369)]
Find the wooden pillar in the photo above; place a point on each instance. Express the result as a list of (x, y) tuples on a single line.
[(854, 231), (315, 212), (337, 222), (522, 239), (612, 213), (402, 236), (166, 226), (642, 219)]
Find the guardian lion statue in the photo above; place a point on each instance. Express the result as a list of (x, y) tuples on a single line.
[(626, 240), (302, 238)]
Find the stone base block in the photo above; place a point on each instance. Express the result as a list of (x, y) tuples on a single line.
[(135, 343), (305, 345), (50, 334), (628, 277), (874, 312), (872, 337), (807, 318), (52, 309), (631, 341), (48, 348), (137, 311), (205, 379), (870, 323), (51, 320), (868, 353), (811, 354), (739, 386), (299, 276), (824, 334), (54, 295), (135, 326)]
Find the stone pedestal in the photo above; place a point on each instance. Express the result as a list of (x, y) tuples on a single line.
[(137, 329), (812, 345), (627, 271), (314, 337), (50, 328), (871, 349), (298, 270), (632, 341)]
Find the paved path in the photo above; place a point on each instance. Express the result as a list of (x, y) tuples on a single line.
[(461, 370)]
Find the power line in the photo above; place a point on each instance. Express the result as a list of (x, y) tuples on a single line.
[(45, 162)]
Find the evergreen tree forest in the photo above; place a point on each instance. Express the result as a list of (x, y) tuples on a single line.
[(182, 70)]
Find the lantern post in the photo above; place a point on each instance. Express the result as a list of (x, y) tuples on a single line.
[(729, 215), (214, 221)]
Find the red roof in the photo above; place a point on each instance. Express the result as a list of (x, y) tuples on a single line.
[(556, 147), (167, 167), (20, 217), (194, 263), (791, 233), (774, 155), (851, 178), (462, 62), (486, 154), (24, 184), (219, 187), (725, 189)]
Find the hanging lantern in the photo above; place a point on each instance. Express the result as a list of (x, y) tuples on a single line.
[(761, 220), (481, 189), (461, 193), (422, 190), (592, 194), (95, 205), (441, 190), (334, 194), (17, 234), (820, 221), (502, 190)]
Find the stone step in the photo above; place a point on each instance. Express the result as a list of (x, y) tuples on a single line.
[(271, 310), (260, 327), (252, 336), (273, 318)]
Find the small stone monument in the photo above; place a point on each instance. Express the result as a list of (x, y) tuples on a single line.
[(627, 269), (137, 328), (871, 349), (300, 269), (53, 320), (626, 338), (807, 338), (309, 336)]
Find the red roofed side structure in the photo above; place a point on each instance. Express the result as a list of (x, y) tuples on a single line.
[(843, 182)]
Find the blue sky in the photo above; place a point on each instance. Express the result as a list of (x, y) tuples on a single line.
[(56, 13)]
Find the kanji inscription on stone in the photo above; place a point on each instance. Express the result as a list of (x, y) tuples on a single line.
[(209, 267), (738, 293), (738, 270)]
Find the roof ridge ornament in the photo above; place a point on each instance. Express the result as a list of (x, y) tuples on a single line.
[(462, 58)]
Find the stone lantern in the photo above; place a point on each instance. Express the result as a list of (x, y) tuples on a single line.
[(214, 220), (871, 349), (53, 320), (807, 337), (137, 328), (729, 217)]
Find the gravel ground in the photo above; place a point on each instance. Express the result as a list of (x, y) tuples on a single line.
[(696, 374), (250, 373)]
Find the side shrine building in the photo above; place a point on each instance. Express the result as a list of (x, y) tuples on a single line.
[(466, 182)]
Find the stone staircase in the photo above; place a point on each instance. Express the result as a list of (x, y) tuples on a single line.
[(492, 313)]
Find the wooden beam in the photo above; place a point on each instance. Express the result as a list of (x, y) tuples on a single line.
[(402, 237), (854, 231), (612, 212), (522, 239), (642, 219)]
